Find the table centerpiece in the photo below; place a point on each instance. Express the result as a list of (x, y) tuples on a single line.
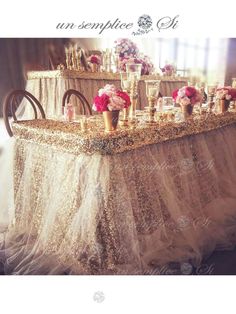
[(187, 97), (110, 101), (224, 95)]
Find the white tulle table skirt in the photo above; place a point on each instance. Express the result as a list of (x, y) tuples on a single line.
[(122, 213)]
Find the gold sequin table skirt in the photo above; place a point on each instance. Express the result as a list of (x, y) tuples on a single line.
[(49, 87), (123, 212)]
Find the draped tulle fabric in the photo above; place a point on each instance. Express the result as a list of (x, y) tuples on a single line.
[(122, 213), (6, 183)]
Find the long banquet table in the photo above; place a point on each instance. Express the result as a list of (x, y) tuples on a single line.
[(121, 203), (49, 86)]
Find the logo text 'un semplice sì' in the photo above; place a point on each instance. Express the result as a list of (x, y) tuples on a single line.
[(145, 24)]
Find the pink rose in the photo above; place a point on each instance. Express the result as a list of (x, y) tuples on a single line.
[(125, 97), (116, 103), (232, 92), (95, 59), (108, 89), (175, 94), (181, 92), (196, 98), (190, 91), (101, 103)]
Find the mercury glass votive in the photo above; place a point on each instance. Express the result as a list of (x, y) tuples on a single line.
[(133, 74), (152, 92)]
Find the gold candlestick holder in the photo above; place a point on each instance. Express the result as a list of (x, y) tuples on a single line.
[(152, 92), (78, 54), (134, 100), (211, 91), (109, 60), (73, 58), (151, 110), (103, 61), (67, 52), (117, 62), (133, 76), (125, 85)]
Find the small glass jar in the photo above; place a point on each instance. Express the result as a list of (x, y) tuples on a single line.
[(84, 124), (69, 112)]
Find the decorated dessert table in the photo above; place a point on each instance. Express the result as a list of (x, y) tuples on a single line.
[(92, 202), (49, 86)]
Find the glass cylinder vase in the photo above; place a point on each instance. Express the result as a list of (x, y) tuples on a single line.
[(134, 74)]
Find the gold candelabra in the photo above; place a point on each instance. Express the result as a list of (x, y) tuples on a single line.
[(134, 99), (151, 110), (73, 58), (133, 76), (126, 86), (107, 60), (211, 90), (110, 61), (152, 92)]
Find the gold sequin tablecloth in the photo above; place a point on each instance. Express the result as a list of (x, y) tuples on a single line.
[(50, 86), (86, 209), (68, 137)]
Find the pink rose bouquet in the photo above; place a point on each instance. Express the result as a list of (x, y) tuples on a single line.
[(94, 59), (110, 98), (147, 65), (126, 48), (187, 95), (168, 69), (226, 93)]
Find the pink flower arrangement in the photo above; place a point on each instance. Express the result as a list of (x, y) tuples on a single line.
[(94, 59), (168, 69), (187, 95), (110, 98), (126, 48), (129, 53), (227, 93), (147, 65)]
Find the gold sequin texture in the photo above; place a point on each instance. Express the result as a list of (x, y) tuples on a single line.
[(69, 137)]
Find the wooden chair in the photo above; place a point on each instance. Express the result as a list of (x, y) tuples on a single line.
[(10, 104), (83, 100)]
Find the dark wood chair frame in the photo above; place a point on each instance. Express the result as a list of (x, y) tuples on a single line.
[(10, 103)]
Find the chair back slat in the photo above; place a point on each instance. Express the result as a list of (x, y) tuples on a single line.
[(10, 104)]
